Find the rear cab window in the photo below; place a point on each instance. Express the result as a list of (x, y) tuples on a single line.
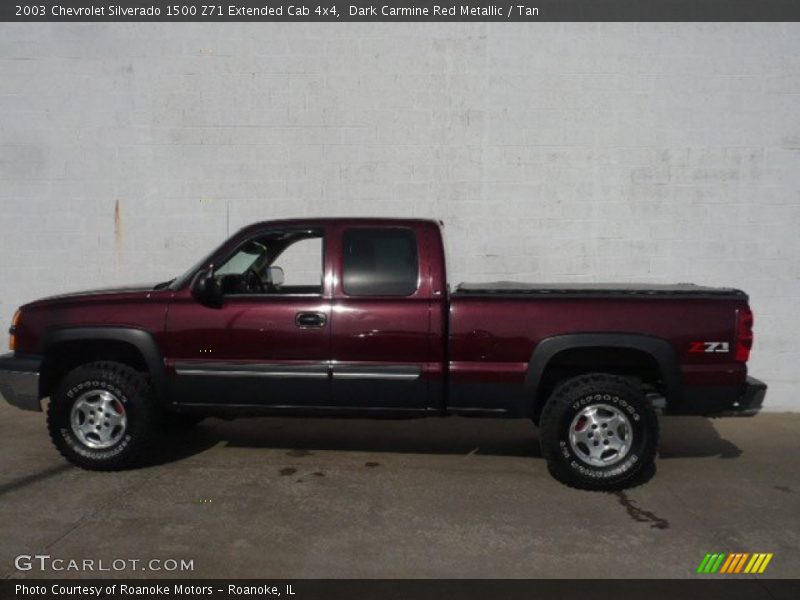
[(380, 261)]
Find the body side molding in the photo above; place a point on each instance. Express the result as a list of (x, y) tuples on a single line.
[(315, 371), (221, 369), (396, 372)]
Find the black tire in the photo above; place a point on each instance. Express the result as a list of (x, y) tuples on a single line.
[(602, 396), (134, 400)]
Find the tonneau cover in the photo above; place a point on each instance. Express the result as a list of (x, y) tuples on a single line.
[(513, 288)]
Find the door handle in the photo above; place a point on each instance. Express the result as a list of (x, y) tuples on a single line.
[(306, 320)]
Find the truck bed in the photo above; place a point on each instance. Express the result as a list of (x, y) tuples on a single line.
[(595, 290)]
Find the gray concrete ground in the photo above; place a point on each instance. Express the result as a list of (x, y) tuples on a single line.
[(434, 498)]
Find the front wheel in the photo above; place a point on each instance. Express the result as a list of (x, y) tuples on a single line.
[(102, 416), (598, 432)]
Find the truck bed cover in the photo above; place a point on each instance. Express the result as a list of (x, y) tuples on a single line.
[(595, 290)]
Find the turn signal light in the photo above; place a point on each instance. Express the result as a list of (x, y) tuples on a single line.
[(12, 340), (744, 334)]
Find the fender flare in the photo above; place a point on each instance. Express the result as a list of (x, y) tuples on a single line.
[(659, 349), (140, 339)]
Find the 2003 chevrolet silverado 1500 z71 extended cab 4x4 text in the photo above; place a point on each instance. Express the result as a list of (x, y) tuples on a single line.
[(363, 323)]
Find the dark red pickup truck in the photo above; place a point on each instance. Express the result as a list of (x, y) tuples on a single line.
[(354, 317)]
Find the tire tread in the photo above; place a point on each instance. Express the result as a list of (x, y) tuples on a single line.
[(559, 401), (137, 387)]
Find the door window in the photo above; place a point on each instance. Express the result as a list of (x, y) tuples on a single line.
[(287, 262)]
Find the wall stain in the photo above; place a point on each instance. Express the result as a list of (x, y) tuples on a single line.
[(783, 488), (287, 471), (118, 222), (640, 515), (371, 464)]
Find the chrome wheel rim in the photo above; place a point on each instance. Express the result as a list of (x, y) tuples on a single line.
[(98, 419), (601, 435)]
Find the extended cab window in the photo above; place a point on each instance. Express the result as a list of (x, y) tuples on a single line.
[(380, 262), (287, 262)]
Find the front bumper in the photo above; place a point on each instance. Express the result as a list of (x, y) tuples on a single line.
[(19, 381)]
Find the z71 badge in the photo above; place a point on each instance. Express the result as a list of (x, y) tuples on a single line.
[(696, 347)]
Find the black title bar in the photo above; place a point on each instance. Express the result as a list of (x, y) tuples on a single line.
[(399, 11), (416, 589)]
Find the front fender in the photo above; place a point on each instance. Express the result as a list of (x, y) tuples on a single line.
[(140, 339)]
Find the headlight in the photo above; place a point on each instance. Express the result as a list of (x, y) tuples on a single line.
[(12, 340)]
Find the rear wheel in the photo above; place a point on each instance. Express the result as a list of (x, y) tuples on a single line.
[(598, 432), (102, 416)]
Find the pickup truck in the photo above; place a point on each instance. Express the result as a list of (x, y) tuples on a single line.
[(355, 318)]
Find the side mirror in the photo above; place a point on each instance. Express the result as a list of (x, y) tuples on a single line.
[(275, 276), (206, 289)]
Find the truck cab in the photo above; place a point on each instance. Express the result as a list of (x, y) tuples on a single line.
[(356, 324)]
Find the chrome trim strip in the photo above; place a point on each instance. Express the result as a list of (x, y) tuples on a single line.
[(389, 372), (253, 373), (320, 407), (375, 375)]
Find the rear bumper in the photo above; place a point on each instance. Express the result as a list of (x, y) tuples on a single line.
[(749, 403), (724, 401), (19, 381)]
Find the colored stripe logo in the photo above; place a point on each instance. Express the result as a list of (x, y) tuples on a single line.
[(735, 562)]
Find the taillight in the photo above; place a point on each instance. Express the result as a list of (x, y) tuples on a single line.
[(12, 339), (744, 334)]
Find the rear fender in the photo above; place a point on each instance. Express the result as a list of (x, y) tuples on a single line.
[(659, 349)]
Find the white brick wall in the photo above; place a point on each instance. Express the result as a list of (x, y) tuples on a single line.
[(561, 152)]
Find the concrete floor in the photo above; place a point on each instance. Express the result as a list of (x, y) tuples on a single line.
[(452, 497)]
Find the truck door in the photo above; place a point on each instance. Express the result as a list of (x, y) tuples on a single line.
[(381, 320), (268, 344)]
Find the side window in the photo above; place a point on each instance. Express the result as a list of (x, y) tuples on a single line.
[(302, 265), (380, 262), (282, 262), (250, 256)]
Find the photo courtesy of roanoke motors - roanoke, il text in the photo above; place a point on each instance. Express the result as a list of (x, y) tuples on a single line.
[(107, 589)]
